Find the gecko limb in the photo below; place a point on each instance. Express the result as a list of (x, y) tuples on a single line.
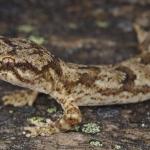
[(20, 98), (71, 117)]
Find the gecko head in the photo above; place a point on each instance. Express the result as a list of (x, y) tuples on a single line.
[(27, 64), (22, 61), (15, 71)]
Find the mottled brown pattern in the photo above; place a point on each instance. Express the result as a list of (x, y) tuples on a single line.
[(108, 92), (67, 85), (94, 68), (87, 79), (55, 65), (145, 46), (130, 77), (36, 68), (8, 42), (134, 91), (27, 66), (15, 72), (145, 59)]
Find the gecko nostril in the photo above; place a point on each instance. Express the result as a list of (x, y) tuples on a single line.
[(8, 62)]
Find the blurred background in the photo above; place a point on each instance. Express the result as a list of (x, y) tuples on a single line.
[(80, 31), (77, 29)]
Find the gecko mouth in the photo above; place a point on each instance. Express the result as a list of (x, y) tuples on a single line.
[(27, 66), (4, 70), (19, 77)]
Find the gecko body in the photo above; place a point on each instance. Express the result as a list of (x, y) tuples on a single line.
[(29, 65)]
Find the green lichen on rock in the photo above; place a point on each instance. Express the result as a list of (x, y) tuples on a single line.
[(37, 39), (52, 110), (26, 28), (117, 147), (76, 128), (96, 143), (11, 111), (91, 128), (102, 24), (36, 120), (72, 25)]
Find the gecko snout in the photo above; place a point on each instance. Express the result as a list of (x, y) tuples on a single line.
[(8, 62)]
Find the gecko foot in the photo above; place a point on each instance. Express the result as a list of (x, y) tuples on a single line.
[(20, 98), (71, 117), (44, 130)]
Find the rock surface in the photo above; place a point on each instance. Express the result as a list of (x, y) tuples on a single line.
[(89, 32)]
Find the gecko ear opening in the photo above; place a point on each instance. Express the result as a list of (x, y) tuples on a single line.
[(8, 62)]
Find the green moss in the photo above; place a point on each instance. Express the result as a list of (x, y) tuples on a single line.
[(52, 110), (72, 25), (11, 111), (37, 39), (76, 128), (117, 147), (35, 120), (102, 24), (91, 128), (96, 143), (26, 28)]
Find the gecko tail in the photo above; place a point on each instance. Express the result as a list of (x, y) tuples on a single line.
[(143, 38)]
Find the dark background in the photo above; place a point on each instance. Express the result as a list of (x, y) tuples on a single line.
[(80, 31)]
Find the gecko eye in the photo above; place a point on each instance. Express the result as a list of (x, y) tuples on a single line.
[(8, 62)]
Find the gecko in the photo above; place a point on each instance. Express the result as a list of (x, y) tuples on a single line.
[(26, 64)]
